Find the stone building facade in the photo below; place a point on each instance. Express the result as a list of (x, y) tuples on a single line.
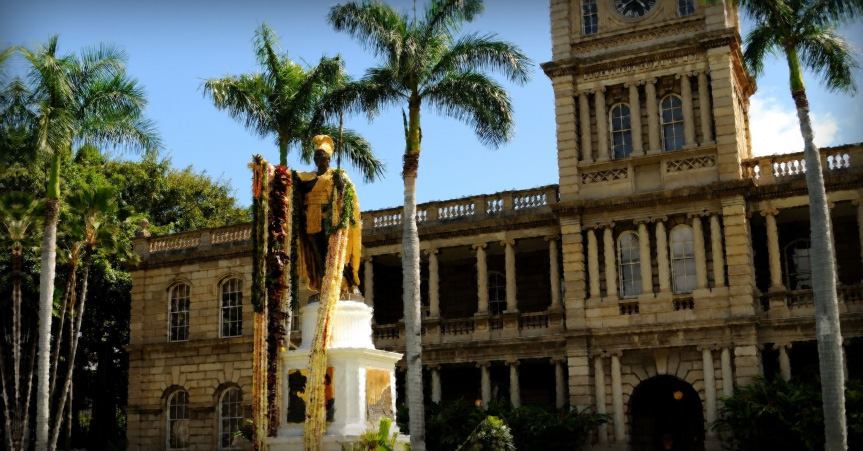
[(668, 265)]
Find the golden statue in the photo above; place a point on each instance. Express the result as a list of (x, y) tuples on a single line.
[(318, 218)]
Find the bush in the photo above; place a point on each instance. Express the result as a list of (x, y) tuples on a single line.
[(776, 414), (490, 434)]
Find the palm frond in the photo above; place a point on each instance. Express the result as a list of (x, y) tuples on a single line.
[(832, 58), (446, 16), (831, 12), (357, 150), (244, 97), (374, 24), (476, 100), (761, 42), (484, 52)]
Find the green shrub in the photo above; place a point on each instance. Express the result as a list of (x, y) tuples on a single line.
[(490, 434)]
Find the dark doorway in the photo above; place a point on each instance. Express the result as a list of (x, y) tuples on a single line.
[(665, 413)]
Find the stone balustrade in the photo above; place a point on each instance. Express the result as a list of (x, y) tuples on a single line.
[(474, 208), (801, 303), (778, 168), (195, 241)]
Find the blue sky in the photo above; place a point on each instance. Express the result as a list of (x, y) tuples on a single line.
[(173, 45)]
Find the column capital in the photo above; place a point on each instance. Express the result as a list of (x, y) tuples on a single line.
[(600, 225), (708, 347), (554, 237), (597, 90), (477, 246), (769, 211), (857, 202), (679, 75), (704, 71), (556, 360), (642, 221), (606, 352), (782, 344), (702, 214), (431, 250), (512, 362), (510, 241), (658, 219), (368, 259), (649, 81), (433, 367), (483, 364)]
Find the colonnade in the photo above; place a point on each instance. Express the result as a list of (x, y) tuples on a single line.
[(633, 98)]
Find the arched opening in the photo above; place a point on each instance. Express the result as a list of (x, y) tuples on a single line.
[(665, 413)]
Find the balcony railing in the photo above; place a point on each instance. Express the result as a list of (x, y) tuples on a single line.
[(466, 209), (802, 302), (778, 168)]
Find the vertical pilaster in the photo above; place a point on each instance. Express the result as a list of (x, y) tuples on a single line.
[(434, 284), (644, 255), (709, 386), (511, 288), (485, 382), (652, 116), (635, 119), (593, 264), (559, 383), (481, 278), (738, 251), (567, 140), (704, 106), (601, 125), (730, 138), (435, 383), (727, 376), (369, 281), (662, 257), (554, 273), (561, 28), (747, 362), (573, 271), (514, 387), (773, 250), (610, 262), (599, 391), (584, 122), (700, 258), (784, 361), (688, 119), (717, 251), (617, 398)]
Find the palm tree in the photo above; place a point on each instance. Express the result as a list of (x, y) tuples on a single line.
[(76, 98), (424, 63), (804, 33), (281, 100), (19, 221)]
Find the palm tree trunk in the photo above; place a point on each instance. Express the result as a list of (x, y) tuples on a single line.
[(410, 287), (8, 408), (824, 287), (17, 264), (46, 298), (75, 329), (68, 297)]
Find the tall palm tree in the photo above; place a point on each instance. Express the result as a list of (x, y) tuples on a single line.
[(423, 62), (803, 32), (280, 101), (19, 221), (83, 98)]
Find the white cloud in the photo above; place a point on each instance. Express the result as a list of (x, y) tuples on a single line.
[(775, 129)]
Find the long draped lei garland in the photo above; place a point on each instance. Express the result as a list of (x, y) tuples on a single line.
[(341, 222)]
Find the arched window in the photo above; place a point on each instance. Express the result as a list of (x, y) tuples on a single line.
[(683, 259), (630, 265), (798, 265), (230, 419), (621, 131), (179, 317), (672, 122), (685, 7), (496, 293), (178, 420), (590, 17), (232, 307)]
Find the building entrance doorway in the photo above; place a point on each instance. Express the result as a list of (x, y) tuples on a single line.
[(665, 413)]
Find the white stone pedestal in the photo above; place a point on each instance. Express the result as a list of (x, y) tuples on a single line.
[(363, 378)]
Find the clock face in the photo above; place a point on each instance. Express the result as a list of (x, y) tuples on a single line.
[(634, 8)]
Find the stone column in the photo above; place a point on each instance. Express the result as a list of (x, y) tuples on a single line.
[(727, 376), (435, 383), (662, 257), (610, 262), (559, 383), (434, 284), (688, 122), (601, 125), (644, 255), (485, 382), (784, 361), (704, 106), (481, 279), (369, 280), (511, 289), (700, 258), (593, 264), (635, 119), (554, 273), (652, 117), (584, 120), (718, 251), (599, 390), (514, 388), (859, 204), (617, 398), (709, 386), (773, 250)]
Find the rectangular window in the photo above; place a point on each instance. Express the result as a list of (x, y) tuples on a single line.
[(179, 327), (685, 7), (232, 308), (589, 16)]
